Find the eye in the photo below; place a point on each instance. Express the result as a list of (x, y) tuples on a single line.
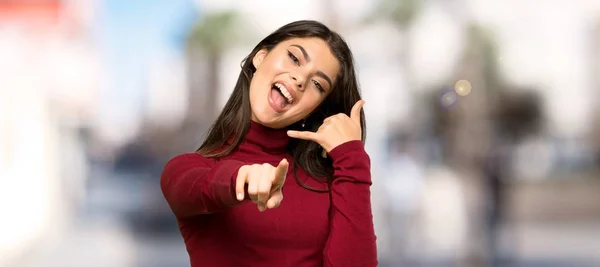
[(294, 58), (318, 85)]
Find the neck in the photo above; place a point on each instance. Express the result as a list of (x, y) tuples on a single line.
[(263, 138)]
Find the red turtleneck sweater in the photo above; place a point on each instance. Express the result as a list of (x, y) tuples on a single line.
[(309, 229)]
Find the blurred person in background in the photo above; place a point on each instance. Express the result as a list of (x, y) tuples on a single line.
[(296, 100)]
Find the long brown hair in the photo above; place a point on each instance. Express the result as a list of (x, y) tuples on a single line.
[(230, 128)]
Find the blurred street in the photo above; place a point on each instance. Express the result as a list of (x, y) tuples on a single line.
[(100, 234), (97, 242)]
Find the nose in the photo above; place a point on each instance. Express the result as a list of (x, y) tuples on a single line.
[(298, 80)]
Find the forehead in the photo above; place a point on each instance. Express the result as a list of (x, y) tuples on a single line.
[(321, 57)]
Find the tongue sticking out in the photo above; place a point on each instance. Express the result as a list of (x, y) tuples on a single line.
[(278, 98)]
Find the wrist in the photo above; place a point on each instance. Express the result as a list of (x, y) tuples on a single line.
[(328, 147)]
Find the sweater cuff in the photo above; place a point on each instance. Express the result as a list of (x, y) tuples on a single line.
[(346, 148), (223, 183), (351, 161)]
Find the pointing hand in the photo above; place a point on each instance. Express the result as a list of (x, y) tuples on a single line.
[(265, 184)]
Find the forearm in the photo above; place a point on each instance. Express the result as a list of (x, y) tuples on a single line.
[(194, 185), (352, 240)]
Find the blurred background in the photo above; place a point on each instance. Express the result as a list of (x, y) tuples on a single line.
[(483, 123)]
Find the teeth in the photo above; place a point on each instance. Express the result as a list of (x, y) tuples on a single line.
[(284, 92)]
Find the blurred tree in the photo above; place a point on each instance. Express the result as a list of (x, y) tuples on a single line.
[(207, 42), (474, 130), (401, 12), (462, 123), (492, 105)]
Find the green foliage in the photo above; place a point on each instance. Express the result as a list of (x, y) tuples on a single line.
[(216, 31), (401, 12), (481, 46)]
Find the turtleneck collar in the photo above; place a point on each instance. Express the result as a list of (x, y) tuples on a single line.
[(262, 138)]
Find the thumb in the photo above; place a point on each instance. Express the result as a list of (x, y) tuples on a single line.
[(281, 169), (355, 113)]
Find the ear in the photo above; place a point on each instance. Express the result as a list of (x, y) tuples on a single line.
[(258, 58)]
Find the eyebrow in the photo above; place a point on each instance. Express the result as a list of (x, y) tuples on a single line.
[(307, 57)]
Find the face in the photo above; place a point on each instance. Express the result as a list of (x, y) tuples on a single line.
[(291, 80)]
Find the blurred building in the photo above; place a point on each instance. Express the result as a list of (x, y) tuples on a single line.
[(30, 199)]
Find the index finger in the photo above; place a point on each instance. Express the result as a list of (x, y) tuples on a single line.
[(304, 135), (281, 170), (355, 113)]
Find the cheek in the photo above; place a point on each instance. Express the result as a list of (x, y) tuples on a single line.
[(279, 66), (253, 91), (265, 75), (310, 102), (257, 93), (273, 64), (260, 83)]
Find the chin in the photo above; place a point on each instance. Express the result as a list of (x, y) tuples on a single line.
[(272, 123), (271, 120)]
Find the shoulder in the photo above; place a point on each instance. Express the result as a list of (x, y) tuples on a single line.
[(189, 159)]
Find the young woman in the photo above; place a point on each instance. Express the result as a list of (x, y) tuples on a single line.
[(293, 126)]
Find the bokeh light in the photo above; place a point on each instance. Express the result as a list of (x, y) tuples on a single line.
[(462, 87), (448, 98)]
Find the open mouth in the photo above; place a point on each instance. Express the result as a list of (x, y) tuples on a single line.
[(283, 91), (280, 96)]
